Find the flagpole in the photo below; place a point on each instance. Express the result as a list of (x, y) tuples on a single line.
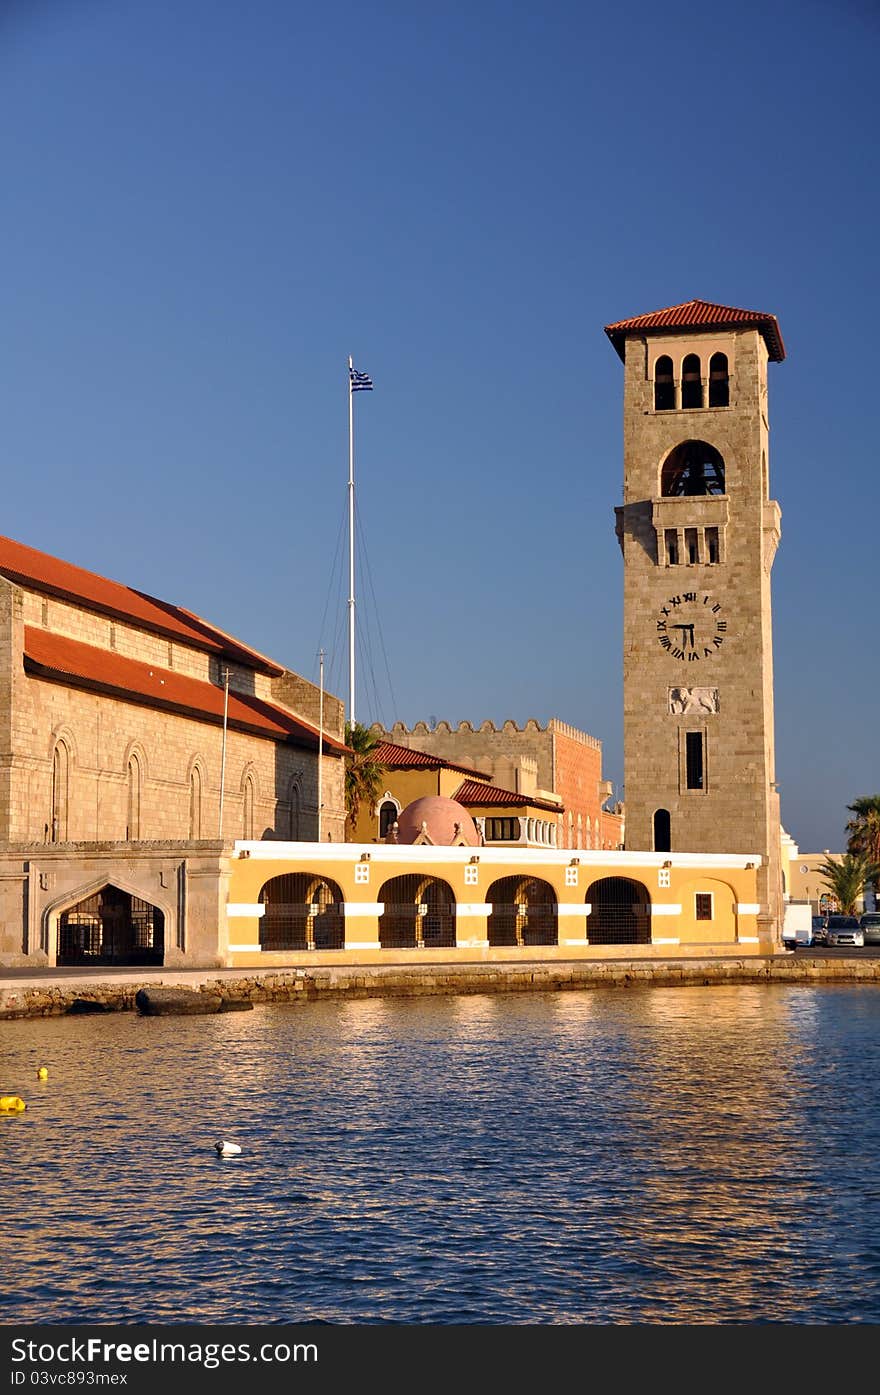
[(223, 752), (350, 544), (320, 739)]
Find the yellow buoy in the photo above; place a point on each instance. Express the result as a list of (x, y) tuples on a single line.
[(12, 1104), (42, 1073)]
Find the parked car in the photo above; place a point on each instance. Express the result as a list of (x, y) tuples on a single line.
[(844, 930), (819, 930), (870, 924)]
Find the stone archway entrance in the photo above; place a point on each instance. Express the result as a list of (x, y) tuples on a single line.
[(111, 927)]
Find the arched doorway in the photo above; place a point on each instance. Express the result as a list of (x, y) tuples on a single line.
[(303, 911), (620, 914), (523, 912), (111, 927), (419, 913)]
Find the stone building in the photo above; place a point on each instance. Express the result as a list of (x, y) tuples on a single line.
[(113, 750), (557, 766), (699, 530)]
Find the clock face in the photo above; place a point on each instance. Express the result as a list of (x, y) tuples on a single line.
[(691, 626)]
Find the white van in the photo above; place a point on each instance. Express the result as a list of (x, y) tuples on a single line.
[(797, 925)]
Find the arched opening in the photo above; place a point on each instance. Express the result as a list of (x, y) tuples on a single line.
[(692, 468), (303, 911), (195, 803), (691, 382), (664, 385), (388, 812), (620, 912), (247, 807), (419, 913), (111, 927), (662, 831), (523, 912), (719, 381), (133, 823), (60, 793)]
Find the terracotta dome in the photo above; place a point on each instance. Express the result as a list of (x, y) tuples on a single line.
[(440, 817)]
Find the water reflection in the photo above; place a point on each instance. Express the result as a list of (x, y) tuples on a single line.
[(651, 1155)]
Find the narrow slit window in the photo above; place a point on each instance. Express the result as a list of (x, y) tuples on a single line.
[(690, 545), (694, 760), (711, 545), (672, 547)]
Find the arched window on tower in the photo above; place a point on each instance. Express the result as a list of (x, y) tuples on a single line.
[(719, 381), (664, 385), (662, 831), (691, 382), (388, 812), (692, 468)]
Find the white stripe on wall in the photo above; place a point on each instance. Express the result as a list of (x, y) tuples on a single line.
[(661, 909), (748, 908), (246, 949), (237, 908), (473, 908), (582, 909), (356, 908)]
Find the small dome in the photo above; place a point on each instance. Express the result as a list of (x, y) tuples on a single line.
[(440, 817)]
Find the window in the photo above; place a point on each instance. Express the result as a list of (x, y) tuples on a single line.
[(664, 385), (672, 547), (690, 545), (133, 828), (662, 831), (711, 546), (691, 382), (719, 382), (195, 803), (387, 817), (694, 762), (60, 778), (703, 908)]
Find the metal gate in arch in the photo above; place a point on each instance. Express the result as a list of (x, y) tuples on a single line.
[(620, 914), (523, 912), (303, 911), (419, 913)]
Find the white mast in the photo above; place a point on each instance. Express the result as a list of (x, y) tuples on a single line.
[(320, 740), (350, 543)]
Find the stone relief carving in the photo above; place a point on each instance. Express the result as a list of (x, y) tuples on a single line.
[(685, 700)]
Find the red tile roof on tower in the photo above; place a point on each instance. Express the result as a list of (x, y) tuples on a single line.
[(28, 567), (699, 314), (491, 797), (396, 757), (59, 659)]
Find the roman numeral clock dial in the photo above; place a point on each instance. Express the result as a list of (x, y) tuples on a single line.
[(691, 626)]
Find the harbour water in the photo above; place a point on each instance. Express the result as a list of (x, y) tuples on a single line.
[(655, 1155)]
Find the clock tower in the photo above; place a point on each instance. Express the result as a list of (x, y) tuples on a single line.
[(699, 531)]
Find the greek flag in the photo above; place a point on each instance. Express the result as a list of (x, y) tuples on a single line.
[(360, 382)]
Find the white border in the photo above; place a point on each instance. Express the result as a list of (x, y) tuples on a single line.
[(241, 908)]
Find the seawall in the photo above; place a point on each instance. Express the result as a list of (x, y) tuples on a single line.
[(53, 994)]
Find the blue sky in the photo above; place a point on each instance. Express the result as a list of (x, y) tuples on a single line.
[(206, 206)]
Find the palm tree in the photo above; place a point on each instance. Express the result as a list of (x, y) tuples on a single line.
[(846, 878), (363, 772), (864, 829)]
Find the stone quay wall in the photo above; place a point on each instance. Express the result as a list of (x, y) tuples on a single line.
[(54, 997)]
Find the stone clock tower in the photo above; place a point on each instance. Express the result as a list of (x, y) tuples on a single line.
[(699, 532)]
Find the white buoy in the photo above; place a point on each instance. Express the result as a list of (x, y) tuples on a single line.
[(227, 1150)]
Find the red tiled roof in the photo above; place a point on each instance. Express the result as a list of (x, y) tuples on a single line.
[(396, 757), (28, 567), (472, 792), (699, 314), (59, 659)]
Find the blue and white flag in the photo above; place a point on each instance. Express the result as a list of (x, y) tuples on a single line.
[(360, 382)]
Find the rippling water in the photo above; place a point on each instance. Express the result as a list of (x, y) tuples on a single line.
[(687, 1155)]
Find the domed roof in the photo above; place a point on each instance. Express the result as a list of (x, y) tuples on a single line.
[(444, 821)]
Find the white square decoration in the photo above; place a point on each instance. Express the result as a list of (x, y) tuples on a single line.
[(471, 875), (361, 872), (663, 876), (571, 876)]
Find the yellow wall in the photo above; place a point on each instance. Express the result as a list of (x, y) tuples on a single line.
[(360, 872)]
